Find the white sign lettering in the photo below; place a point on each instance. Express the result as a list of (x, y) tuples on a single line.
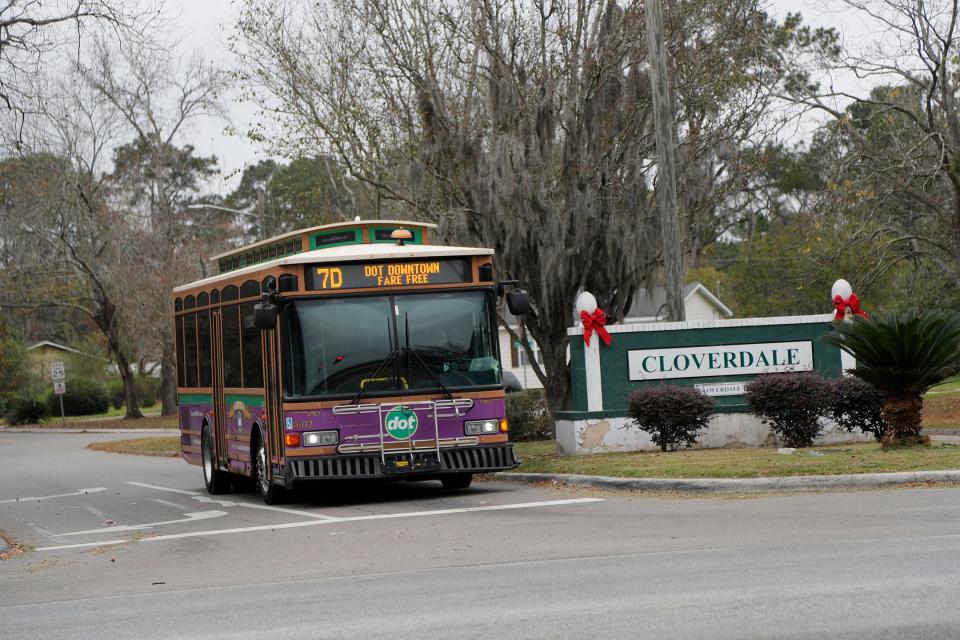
[(57, 371), (720, 360), (59, 387)]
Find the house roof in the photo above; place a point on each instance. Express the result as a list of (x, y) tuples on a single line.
[(650, 303), (53, 345)]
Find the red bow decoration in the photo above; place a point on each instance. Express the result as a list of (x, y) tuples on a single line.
[(853, 302), (593, 323)]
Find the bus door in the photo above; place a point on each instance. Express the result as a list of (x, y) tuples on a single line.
[(273, 398), (219, 417)]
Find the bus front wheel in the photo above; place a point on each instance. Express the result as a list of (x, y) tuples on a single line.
[(215, 480), (457, 480), (269, 492)]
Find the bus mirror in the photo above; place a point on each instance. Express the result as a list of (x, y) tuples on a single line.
[(265, 315), (518, 302)]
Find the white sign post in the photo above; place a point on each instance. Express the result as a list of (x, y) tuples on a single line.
[(59, 376)]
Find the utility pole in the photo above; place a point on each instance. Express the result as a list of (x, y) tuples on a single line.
[(666, 162)]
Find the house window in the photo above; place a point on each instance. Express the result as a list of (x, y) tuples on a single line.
[(519, 358)]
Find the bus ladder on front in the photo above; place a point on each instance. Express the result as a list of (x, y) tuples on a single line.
[(412, 457)]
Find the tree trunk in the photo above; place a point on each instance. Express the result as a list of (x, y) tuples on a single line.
[(130, 391), (557, 383), (903, 414), (168, 382), (666, 164)]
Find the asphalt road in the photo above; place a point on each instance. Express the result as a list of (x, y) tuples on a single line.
[(144, 553)]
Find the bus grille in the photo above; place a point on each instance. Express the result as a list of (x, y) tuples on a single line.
[(480, 459), (472, 460)]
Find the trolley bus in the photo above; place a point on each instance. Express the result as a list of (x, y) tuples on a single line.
[(349, 350)]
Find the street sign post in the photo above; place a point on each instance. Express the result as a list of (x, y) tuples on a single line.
[(59, 376)]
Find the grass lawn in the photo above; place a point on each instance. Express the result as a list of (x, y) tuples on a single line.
[(941, 411), (112, 413), (154, 421), (541, 457), (163, 446)]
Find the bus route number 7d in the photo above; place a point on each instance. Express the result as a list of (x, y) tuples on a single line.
[(330, 277)]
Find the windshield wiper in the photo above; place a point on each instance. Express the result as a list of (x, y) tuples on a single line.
[(411, 351), (391, 357), (388, 360)]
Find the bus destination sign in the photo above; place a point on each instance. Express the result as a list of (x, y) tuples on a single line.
[(374, 275)]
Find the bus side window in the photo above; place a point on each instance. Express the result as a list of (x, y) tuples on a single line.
[(190, 348), (203, 344), (252, 358), (181, 365), (232, 376)]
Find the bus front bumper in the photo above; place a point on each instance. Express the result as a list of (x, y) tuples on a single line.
[(421, 464)]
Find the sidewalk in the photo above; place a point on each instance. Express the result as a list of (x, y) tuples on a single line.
[(740, 485)]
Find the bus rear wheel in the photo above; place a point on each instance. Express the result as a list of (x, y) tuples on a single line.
[(457, 480), (269, 492), (215, 480)]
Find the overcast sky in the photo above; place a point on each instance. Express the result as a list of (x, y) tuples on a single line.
[(205, 24)]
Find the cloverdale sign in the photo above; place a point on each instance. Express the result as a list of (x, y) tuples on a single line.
[(719, 360), (400, 423)]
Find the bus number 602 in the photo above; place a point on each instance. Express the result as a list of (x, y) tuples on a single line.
[(331, 277)]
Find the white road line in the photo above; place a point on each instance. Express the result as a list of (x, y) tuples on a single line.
[(153, 486), (80, 492), (263, 507), (190, 517), (314, 523), (231, 503)]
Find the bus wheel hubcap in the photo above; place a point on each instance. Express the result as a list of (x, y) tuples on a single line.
[(262, 469), (207, 458)]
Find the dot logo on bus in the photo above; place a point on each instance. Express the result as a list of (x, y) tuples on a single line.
[(401, 423)]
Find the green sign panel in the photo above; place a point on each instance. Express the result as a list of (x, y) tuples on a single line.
[(401, 423)]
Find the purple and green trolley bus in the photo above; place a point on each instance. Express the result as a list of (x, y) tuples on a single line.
[(349, 350)]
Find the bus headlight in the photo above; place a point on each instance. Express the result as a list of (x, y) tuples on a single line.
[(320, 438), (480, 427)]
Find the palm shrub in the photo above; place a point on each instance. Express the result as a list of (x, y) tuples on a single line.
[(672, 415), (902, 354)]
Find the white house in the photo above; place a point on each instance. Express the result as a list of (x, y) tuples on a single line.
[(648, 305)]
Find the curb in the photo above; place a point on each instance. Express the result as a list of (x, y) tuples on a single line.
[(81, 430), (740, 485)]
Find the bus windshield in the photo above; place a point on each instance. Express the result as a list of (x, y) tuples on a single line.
[(390, 344)]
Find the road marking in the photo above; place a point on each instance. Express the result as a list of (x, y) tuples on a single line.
[(231, 503), (190, 517), (263, 507), (153, 486), (315, 523), (81, 492)]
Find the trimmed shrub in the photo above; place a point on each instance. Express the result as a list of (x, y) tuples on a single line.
[(84, 397), (792, 404), (149, 388), (858, 406), (27, 409), (528, 416), (672, 415), (118, 396)]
